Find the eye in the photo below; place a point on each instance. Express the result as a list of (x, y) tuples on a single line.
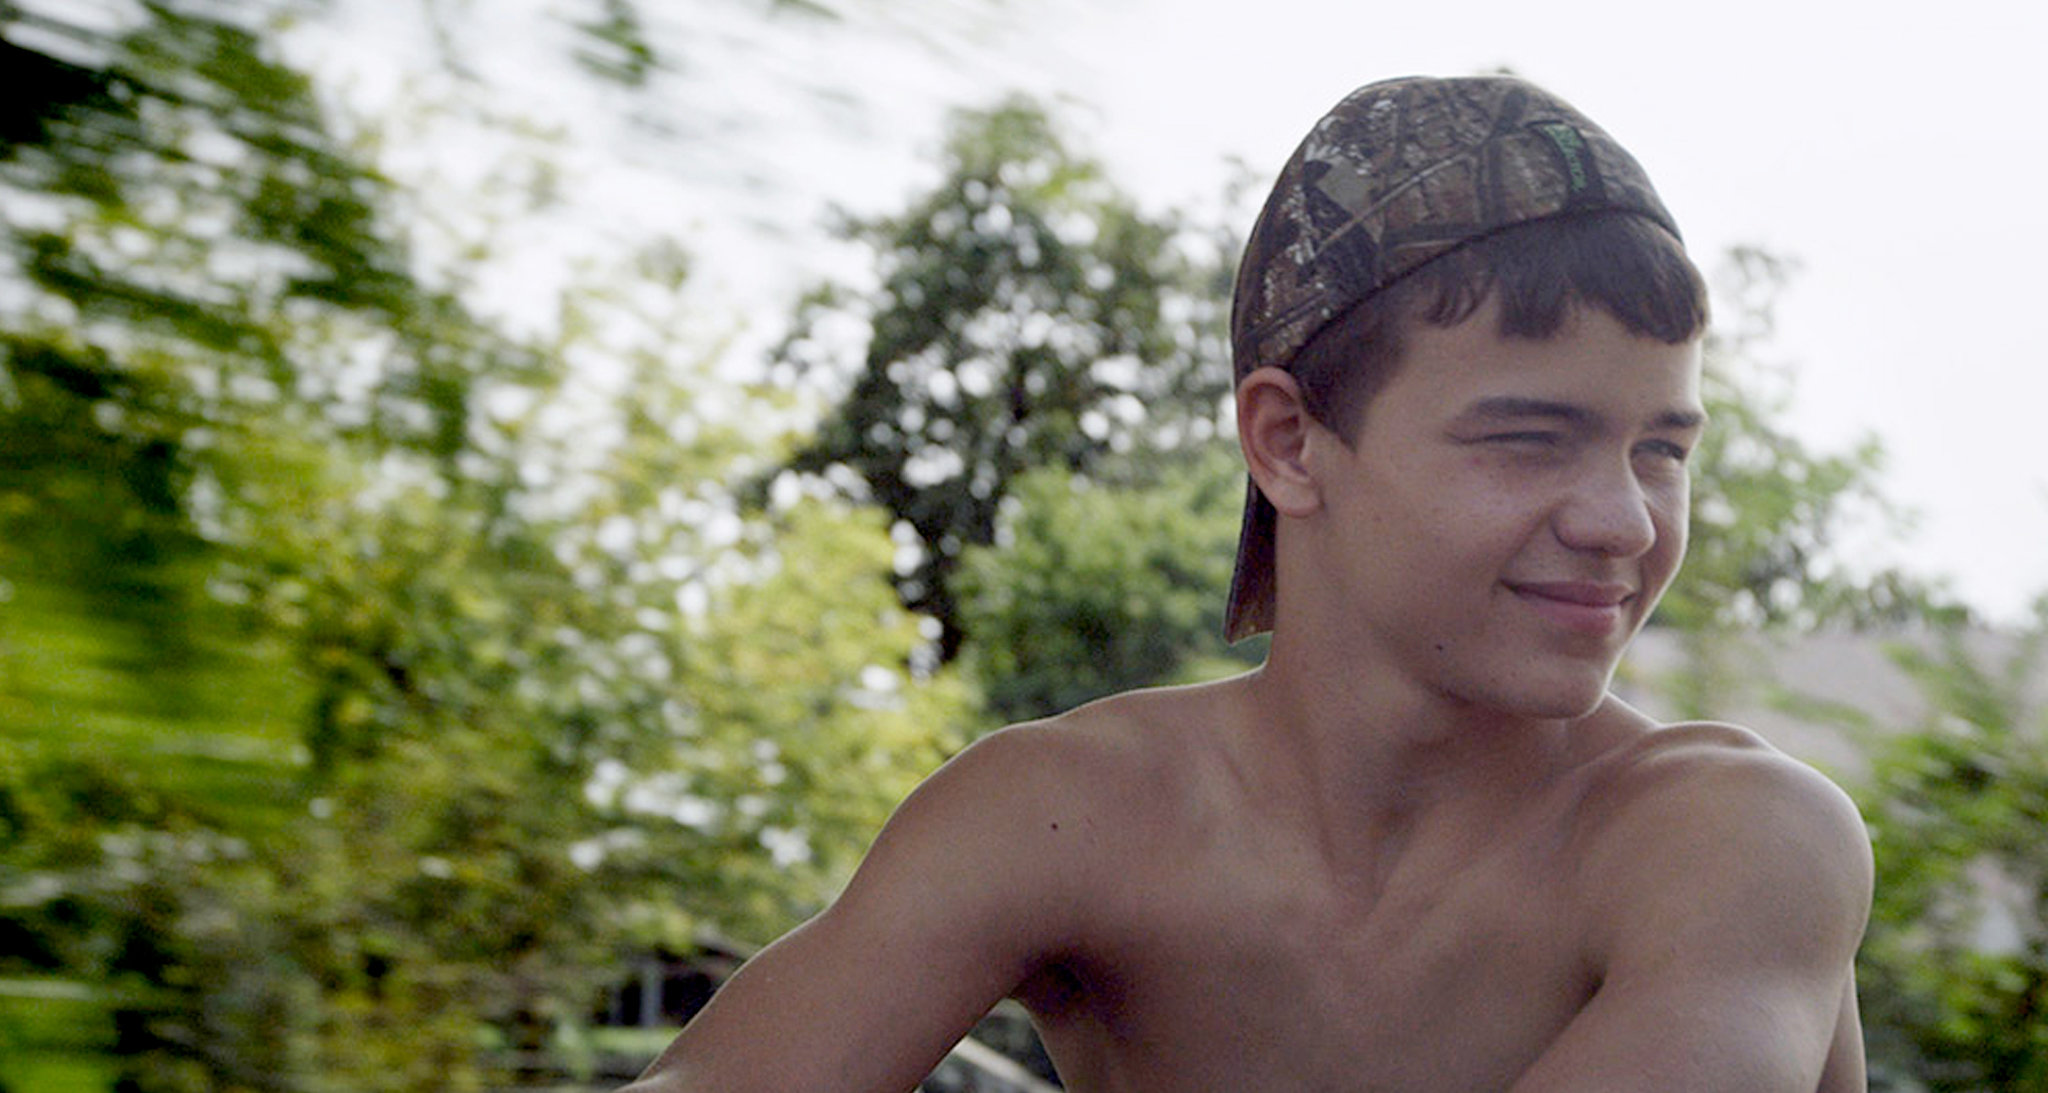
[(1668, 449), (1533, 439)]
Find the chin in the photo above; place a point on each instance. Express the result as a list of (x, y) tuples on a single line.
[(1558, 695), (1570, 707)]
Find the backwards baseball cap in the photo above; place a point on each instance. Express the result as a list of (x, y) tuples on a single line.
[(1398, 173)]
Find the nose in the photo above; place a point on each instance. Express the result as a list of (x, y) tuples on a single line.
[(1607, 513)]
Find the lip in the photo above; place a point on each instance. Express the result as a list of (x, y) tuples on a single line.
[(1595, 608)]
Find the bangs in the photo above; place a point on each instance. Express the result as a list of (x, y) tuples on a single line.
[(1540, 271), (1622, 264)]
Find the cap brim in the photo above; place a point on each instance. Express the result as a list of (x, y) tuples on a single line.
[(1250, 610)]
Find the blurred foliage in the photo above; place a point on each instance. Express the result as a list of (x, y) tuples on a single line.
[(370, 680), (1954, 974), (1092, 588), (617, 48), (1028, 315)]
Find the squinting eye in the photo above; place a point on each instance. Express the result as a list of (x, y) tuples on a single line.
[(1523, 438), (1668, 449)]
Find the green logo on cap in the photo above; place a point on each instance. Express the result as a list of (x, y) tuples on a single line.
[(1571, 148)]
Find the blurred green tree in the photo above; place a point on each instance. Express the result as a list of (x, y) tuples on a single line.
[(1096, 587), (368, 679), (175, 231), (1954, 973), (1027, 315)]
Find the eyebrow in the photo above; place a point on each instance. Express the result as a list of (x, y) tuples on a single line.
[(1518, 408)]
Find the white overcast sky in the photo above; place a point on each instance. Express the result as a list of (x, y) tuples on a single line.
[(1897, 152)]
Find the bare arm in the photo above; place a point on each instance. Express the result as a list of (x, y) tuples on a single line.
[(1732, 886), (958, 899)]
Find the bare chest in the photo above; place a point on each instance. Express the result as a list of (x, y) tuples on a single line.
[(1248, 969)]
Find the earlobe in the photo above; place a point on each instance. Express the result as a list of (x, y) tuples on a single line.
[(1274, 429)]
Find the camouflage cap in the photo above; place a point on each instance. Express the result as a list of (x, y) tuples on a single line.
[(1398, 173)]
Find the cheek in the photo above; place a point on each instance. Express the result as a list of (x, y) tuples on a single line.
[(1675, 516), (1501, 511), (1674, 529)]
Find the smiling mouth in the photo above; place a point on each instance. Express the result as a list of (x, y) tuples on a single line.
[(1583, 607)]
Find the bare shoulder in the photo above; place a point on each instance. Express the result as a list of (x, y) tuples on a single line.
[(1055, 798), (1724, 776), (1069, 766), (1723, 889), (1706, 818)]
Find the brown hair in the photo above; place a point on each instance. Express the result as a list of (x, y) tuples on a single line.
[(1540, 271)]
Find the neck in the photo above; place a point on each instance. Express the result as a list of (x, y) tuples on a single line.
[(1375, 750)]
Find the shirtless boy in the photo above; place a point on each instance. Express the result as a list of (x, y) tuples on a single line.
[(1421, 848)]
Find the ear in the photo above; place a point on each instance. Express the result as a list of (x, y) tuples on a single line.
[(1274, 428)]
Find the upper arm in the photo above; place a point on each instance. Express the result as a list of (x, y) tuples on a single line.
[(967, 886), (1729, 890)]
